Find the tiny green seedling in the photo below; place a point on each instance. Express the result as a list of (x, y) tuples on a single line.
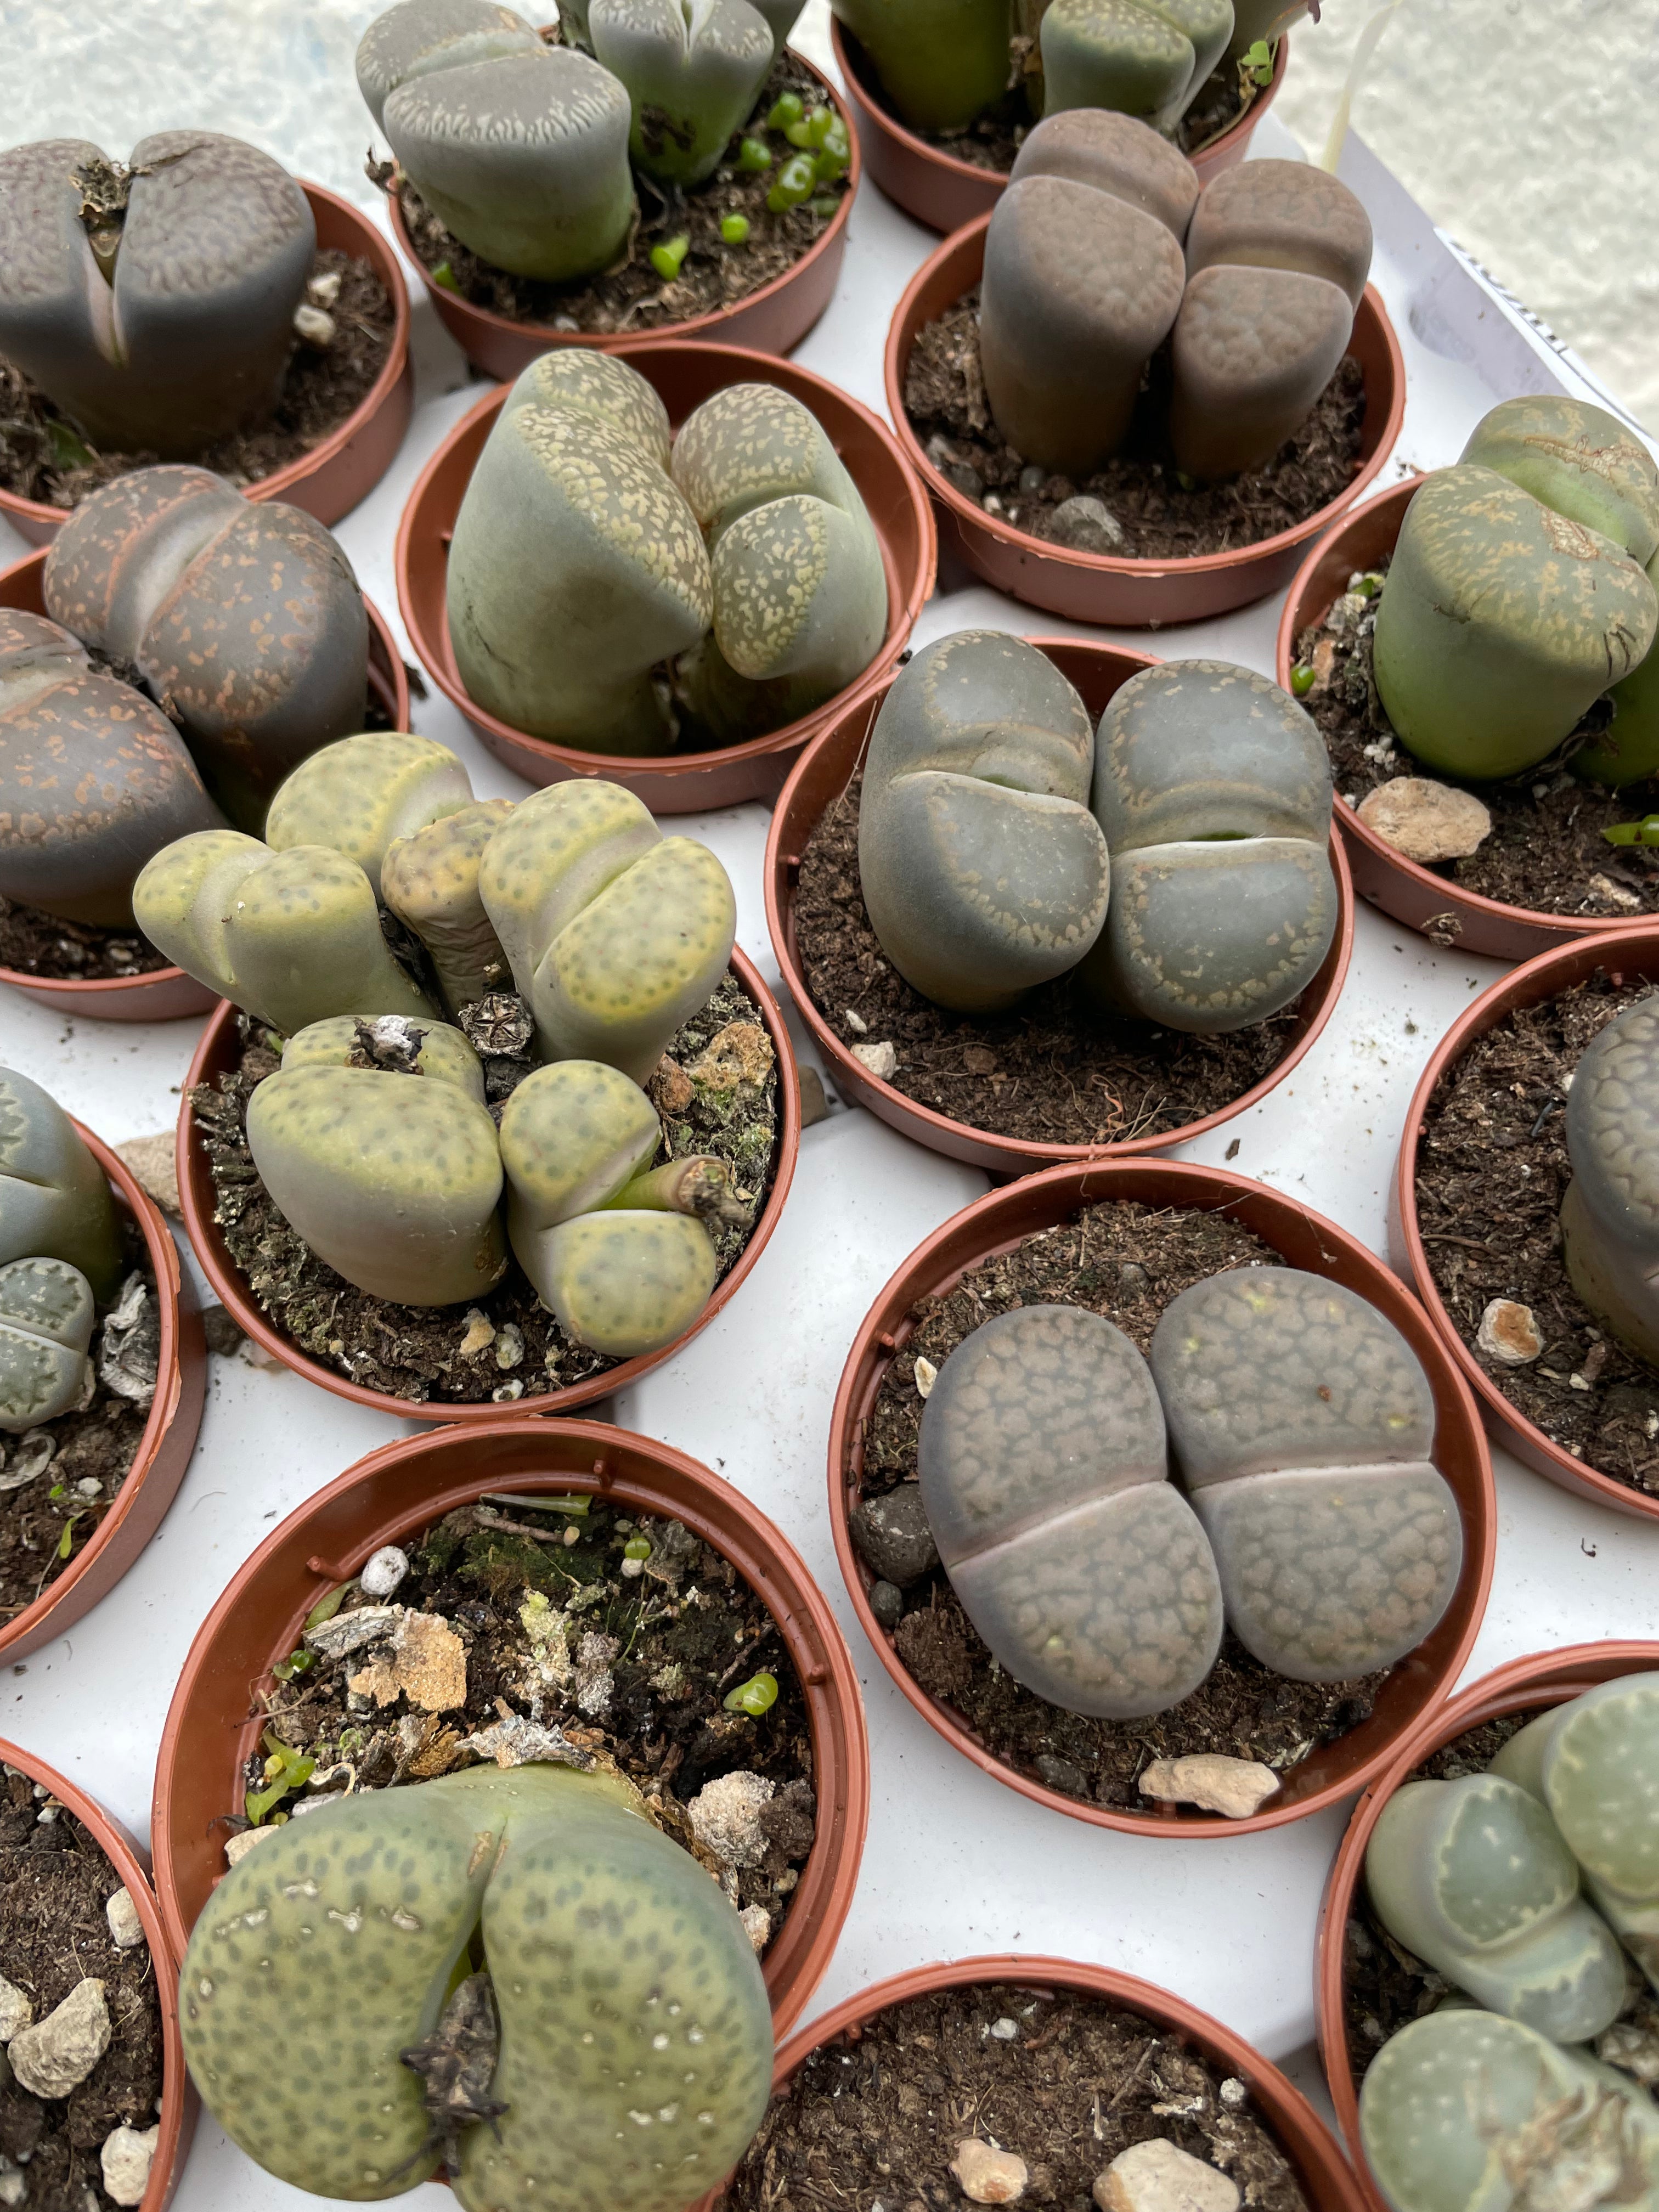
[(1302, 678), (755, 1697), (1644, 832), (795, 180), (668, 258), (1256, 64), (285, 1769), (734, 229), (788, 108), (444, 275), (754, 155)]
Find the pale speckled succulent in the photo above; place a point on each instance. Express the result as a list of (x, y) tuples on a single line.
[(1043, 1476), (54, 1201), (1149, 58), (45, 1326), (692, 70), (634, 2041), (983, 871), (1212, 788), (390, 1041), (1301, 1425), (154, 301), (615, 934), (430, 882), (1610, 1215), (361, 793)]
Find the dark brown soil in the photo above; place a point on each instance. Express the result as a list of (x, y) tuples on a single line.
[(42, 456), (631, 296), (1127, 1262), (1053, 1070), (875, 2117), (1161, 517), (54, 1884), (642, 1668), (415, 1352), (1545, 851), (1491, 1172)]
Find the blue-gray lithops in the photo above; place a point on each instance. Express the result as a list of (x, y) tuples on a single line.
[(54, 1201), (45, 1326), (1610, 1215), (692, 74)]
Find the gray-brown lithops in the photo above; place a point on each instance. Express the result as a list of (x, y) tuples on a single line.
[(45, 1326), (1610, 1216), (54, 1201)]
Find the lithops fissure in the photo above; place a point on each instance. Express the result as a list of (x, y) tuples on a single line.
[(634, 2039), (983, 871), (245, 618), (1577, 459), (54, 1201), (153, 302), (693, 70), (393, 1041), (430, 882), (1212, 789), (1610, 1215), (45, 1326), (364, 793), (1044, 1473), (941, 63), (1301, 1424), (1148, 58)]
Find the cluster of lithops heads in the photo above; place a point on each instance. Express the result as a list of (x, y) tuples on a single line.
[(1311, 1519), (1103, 248), (591, 553), (1178, 858), (60, 1252), (1531, 1888), (510, 1975)]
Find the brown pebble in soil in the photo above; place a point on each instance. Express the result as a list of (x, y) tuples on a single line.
[(876, 2115)]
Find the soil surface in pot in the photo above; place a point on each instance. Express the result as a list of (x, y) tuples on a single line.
[(1544, 851), (1064, 2081), (43, 456), (54, 1885), (1052, 1070), (1491, 1172), (1127, 1261), (58, 1481), (719, 1096), (633, 295), (1160, 518), (536, 1636)]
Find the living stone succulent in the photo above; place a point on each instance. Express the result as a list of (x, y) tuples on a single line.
[(45, 1327), (1301, 1424), (390, 1041), (1610, 1215), (1149, 58), (362, 794), (430, 881), (632, 2038), (54, 1201), (153, 302), (93, 778), (692, 69), (983, 871), (245, 620), (1212, 789), (1043, 1472), (942, 62)]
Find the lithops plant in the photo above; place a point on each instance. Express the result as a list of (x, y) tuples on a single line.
[(396, 1041), (1149, 58), (93, 778), (692, 69), (245, 620), (1212, 788), (362, 794), (153, 301), (942, 62), (54, 1201), (1043, 1475), (1301, 1425), (45, 1326), (983, 871), (1610, 1215), (615, 2048), (430, 882)]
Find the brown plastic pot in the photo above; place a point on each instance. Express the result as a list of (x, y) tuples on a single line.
[(344, 467), (773, 319), (943, 192), (165, 994), (1542, 1679), (1304, 1239), (131, 1862), (820, 777), (1106, 588), (164, 1450), (1630, 952), (219, 1051), (213, 1725), (672, 783)]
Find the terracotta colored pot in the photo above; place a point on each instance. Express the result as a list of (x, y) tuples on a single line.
[(218, 1051), (943, 192), (164, 1450), (1441, 909), (1327, 2182), (131, 1862), (1305, 1240), (1632, 952), (165, 994), (820, 777), (344, 467), (772, 319), (1106, 588), (212, 1725), (1521, 1686), (669, 783)]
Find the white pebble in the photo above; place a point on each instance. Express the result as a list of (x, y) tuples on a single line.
[(16, 2011), (758, 1926), (383, 1573), (314, 326), (1005, 2030), (1212, 1781), (57, 2053), (880, 1059), (927, 1376), (1158, 2176), (125, 2158), (126, 1930), (725, 1816), (238, 1846), (986, 2175), (1510, 1333)]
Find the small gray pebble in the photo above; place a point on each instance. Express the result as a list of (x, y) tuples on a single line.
[(966, 480), (1132, 1278), (1086, 525), (887, 1603), (1060, 1774), (1031, 477), (893, 1537)]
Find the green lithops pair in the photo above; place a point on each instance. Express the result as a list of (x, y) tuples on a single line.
[(512, 1974), (45, 1326), (1149, 58), (1610, 1215), (54, 1201)]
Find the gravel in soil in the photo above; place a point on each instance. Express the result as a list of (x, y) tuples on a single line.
[(1546, 852), (1491, 1171), (1052, 1070), (1127, 1262), (43, 458), (603, 1668), (1160, 518), (875, 2116), (54, 1885)]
